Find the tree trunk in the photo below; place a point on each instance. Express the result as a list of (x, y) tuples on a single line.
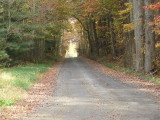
[(95, 37), (90, 37), (90, 42), (130, 45), (112, 36), (149, 38), (139, 35)]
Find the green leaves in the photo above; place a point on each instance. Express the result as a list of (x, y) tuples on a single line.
[(25, 26), (4, 58)]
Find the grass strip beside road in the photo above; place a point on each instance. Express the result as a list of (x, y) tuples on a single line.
[(128, 71), (153, 79), (14, 82)]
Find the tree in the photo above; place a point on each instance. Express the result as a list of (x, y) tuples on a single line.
[(139, 34), (149, 38), (4, 57), (27, 26)]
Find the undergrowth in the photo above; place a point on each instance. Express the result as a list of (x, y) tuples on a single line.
[(117, 66)]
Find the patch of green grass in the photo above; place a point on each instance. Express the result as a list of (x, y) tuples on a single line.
[(14, 82), (110, 65), (6, 103), (153, 79), (24, 76)]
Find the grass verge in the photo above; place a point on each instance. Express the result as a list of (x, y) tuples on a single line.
[(14, 82), (128, 71)]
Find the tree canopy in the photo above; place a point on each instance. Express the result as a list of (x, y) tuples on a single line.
[(126, 31)]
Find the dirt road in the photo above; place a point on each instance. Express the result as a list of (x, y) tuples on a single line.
[(85, 94)]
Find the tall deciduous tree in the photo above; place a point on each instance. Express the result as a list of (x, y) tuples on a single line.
[(149, 38), (139, 33)]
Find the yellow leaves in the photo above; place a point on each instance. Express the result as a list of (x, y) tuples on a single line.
[(158, 45), (157, 31), (127, 10), (101, 27), (1, 9), (52, 35), (48, 33), (124, 14), (29, 21), (128, 27), (91, 6), (26, 6)]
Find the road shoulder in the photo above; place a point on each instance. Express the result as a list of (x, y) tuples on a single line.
[(130, 80), (36, 96)]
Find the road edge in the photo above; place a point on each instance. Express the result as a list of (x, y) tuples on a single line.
[(141, 84), (36, 96)]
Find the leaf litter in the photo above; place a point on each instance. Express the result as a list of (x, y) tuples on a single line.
[(132, 80)]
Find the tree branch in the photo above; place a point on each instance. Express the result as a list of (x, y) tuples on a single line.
[(81, 23)]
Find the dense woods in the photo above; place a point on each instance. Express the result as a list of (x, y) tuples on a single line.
[(123, 31), (30, 30)]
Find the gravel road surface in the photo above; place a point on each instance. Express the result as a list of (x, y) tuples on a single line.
[(82, 93)]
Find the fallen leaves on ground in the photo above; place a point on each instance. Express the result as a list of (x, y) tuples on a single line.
[(135, 81), (36, 96)]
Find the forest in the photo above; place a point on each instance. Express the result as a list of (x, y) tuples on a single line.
[(35, 36), (30, 30), (126, 32)]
